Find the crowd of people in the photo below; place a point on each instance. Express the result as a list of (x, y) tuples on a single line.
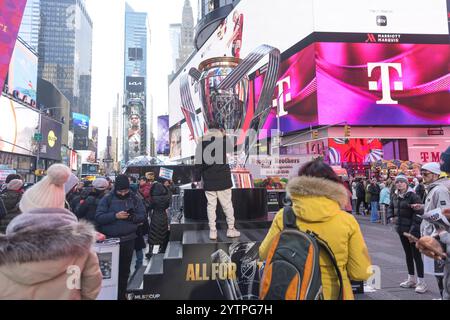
[(403, 201), (34, 223), (49, 230)]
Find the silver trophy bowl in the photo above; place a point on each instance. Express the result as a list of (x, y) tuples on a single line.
[(226, 107)]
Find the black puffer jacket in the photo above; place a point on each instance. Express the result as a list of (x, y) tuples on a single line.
[(159, 224), (11, 201), (374, 190), (211, 161), (88, 207), (407, 218)]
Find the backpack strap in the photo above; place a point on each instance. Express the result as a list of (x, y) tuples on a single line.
[(289, 219), (324, 245)]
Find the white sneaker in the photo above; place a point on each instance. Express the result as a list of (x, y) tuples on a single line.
[(233, 233), (408, 284), (213, 234), (421, 287)]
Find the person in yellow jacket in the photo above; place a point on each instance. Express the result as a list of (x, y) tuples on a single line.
[(318, 196)]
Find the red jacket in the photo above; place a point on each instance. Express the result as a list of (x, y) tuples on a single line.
[(145, 191)]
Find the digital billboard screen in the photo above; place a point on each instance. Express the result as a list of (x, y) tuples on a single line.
[(354, 150), (23, 69), (18, 126), (162, 142), (136, 84), (10, 18), (51, 138), (175, 142), (366, 84), (136, 128), (81, 131)]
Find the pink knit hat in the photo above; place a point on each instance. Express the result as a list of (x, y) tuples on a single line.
[(15, 185), (49, 192)]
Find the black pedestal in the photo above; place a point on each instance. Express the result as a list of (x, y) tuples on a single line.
[(248, 204)]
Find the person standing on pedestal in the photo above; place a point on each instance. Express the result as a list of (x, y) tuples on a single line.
[(211, 157)]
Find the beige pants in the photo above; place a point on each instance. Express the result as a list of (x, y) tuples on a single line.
[(227, 206)]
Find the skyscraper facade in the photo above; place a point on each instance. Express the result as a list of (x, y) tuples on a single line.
[(137, 35), (31, 23), (187, 33), (65, 54), (175, 44)]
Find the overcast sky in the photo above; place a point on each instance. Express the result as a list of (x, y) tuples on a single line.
[(108, 17)]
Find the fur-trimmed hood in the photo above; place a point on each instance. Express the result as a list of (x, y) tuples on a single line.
[(32, 253), (317, 199)]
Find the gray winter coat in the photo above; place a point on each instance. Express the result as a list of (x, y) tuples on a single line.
[(438, 197)]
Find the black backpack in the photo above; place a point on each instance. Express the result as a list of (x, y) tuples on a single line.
[(292, 270)]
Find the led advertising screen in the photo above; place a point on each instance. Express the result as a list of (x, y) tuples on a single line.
[(295, 96), (354, 150), (10, 18), (18, 126), (136, 84), (162, 142), (175, 142), (93, 142), (51, 138), (253, 23), (81, 131), (136, 129), (330, 83), (383, 84), (23, 70)]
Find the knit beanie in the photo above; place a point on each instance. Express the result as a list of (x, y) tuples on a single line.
[(71, 183), (15, 185), (432, 167), (49, 192), (122, 182), (401, 177), (445, 161), (100, 184)]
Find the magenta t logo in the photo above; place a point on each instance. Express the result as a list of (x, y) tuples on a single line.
[(285, 96), (385, 81)]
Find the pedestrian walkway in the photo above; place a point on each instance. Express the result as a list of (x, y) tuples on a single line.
[(386, 252)]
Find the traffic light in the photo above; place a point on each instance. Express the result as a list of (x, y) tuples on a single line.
[(347, 132), (315, 134)]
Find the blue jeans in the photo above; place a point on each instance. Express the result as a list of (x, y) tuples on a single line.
[(139, 258), (374, 212)]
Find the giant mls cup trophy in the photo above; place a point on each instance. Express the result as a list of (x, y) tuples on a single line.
[(224, 83)]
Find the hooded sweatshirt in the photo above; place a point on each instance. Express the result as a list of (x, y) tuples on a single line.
[(317, 203), (47, 254)]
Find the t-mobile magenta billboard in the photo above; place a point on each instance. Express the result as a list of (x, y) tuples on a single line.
[(330, 83)]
